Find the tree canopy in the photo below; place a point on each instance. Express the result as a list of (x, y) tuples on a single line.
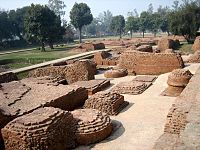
[(42, 25), (117, 24), (80, 15), (132, 24), (57, 6), (185, 19)]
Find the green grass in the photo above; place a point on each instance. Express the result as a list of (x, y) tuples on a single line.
[(186, 48), (23, 59)]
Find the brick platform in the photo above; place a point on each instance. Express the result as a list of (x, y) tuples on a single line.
[(22, 97), (132, 88), (107, 102), (93, 86)]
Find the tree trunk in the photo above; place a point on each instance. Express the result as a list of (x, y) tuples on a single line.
[(154, 34), (120, 36), (80, 39), (131, 33), (51, 45), (143, 34), (168, 33), (43, 47)]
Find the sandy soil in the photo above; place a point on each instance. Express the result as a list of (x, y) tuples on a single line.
[(141, 123)]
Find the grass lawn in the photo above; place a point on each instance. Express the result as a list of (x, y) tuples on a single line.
[(23, 59), (186, 48)]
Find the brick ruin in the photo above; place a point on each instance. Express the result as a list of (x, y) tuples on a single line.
[(137, 86), (7, 77), (85, 47), (145, 48), (150, 63), (106, 102), (116, 73), (93, 86), (22, 97), (169, 51), (105, 58), (177, 81), (182, 125), (132, 88), (83, 70), (45, 129), (196, 45), (194, 58), (91, 126), (145, 78), (168, 43)]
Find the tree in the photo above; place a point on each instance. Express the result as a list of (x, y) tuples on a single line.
[(164, 23), (92, 28), (17, 20), (57, 6), (105, 19), (6, 28), (185, 20), (175, 5), (117, 24), (132, 25), (154, 23), (80, 15), (42, 25), (150, 9), (69, 34), (144, 22)]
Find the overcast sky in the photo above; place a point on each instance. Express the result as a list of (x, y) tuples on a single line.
[(97, 6)]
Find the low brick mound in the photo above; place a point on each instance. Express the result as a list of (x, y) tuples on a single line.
[(177, 81), (107, 102), (145, 78), (194, 58), (132, 88), (150, 43), (82, 70), (196, 45), (169, 51), (93, 86), (105, 58), (85, 47), (7, 77), (49, 80), (142, 63), (145, 48), (181, 130), (116, 73), (44, 129), (21, 97), (91, 126), (167, 43)]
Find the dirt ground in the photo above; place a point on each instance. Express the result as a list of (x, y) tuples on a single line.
[(141, 123)]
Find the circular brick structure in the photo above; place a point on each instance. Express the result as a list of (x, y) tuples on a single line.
[(45, 128), (116, 73), (91, 126), (179, 78)]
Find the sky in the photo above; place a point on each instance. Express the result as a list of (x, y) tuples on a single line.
[(117, 7)]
